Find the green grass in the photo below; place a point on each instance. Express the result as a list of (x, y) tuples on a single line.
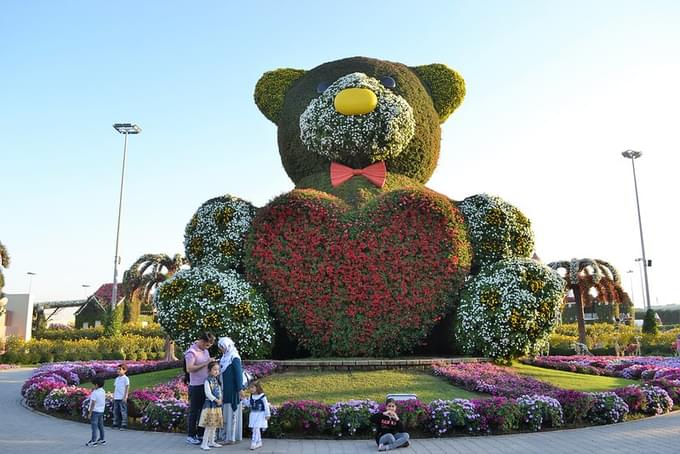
[(572, 380), (335, 386), (146, 380)]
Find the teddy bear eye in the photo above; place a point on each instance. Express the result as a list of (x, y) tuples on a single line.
[(322, 87), (388, 82)]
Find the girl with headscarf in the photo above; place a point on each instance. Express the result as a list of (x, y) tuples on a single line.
[(232, 385)]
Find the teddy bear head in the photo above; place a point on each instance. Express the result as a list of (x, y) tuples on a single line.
[(358, 111)]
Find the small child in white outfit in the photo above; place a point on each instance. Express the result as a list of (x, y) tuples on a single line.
[(259, 413)]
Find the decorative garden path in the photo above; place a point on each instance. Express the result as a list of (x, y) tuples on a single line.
[(23, 431)]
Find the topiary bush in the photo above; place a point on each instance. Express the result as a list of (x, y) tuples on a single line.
[(361, 244), (205, 299), (497, 229), (214, 237), (509, 309), (649, 324)]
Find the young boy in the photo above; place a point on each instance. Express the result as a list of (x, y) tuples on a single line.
[(96, 412), (120, 397)]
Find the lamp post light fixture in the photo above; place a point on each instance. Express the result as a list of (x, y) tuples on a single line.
[(30, 281), (125, 129), (633, 155), (85, 287)]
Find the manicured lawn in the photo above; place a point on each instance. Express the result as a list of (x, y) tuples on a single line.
[(146, 380), (336, 386), (572, 380)]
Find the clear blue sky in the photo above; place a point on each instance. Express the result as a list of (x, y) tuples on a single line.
[(556, 90)]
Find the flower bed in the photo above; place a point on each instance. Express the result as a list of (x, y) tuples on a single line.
[(8, 366), (633, 367), (518, 403), (576, 407), (54, 388), (491, 379), (59, 375)]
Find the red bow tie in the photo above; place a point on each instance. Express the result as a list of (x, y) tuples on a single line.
[(375, 173)]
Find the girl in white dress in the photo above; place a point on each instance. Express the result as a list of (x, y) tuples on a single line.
[(259, 413)]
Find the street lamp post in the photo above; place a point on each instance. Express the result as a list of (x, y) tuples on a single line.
[(125, 129), (30, 281), (632, 289), (642, 282), (633, 155)]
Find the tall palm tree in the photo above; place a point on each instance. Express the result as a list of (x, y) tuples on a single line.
[(141, 280), (4, 263), (584, 275), (149, 270)]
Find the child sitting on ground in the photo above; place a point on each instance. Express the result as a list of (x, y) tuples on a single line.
[(389, 429)]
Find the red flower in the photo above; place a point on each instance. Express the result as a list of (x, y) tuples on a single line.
[(337, 276)]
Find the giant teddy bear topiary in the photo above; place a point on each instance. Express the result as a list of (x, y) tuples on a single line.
[(361, 258)]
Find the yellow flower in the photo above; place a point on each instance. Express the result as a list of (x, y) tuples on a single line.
[(212, 291), (515, 319), (224, 215), (227, 248), (490, 298), (536, 285), (494, 216), (242, 311), (196, 246)]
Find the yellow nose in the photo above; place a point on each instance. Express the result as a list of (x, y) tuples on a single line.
[(355, 101)]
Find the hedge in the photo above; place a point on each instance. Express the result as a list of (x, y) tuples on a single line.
[(152, 330), (128, 347)]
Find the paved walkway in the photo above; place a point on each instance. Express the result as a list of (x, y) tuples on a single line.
[(23, 431)]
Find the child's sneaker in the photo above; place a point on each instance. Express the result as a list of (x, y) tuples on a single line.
[(101, 442), (214, 444), (192, 441), (91, 444), (205, 448), (382, 447)]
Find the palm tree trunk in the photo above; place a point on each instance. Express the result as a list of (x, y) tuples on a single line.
[(169, 350), (580, 316)]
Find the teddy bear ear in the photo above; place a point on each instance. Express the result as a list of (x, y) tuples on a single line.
[(446, 87), (270, 90)]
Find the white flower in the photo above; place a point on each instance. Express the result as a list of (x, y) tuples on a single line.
[(380, 134)]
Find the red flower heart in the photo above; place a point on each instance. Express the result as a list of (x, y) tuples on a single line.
[(360, 281)]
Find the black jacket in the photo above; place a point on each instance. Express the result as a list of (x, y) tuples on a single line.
[(385, 425)]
